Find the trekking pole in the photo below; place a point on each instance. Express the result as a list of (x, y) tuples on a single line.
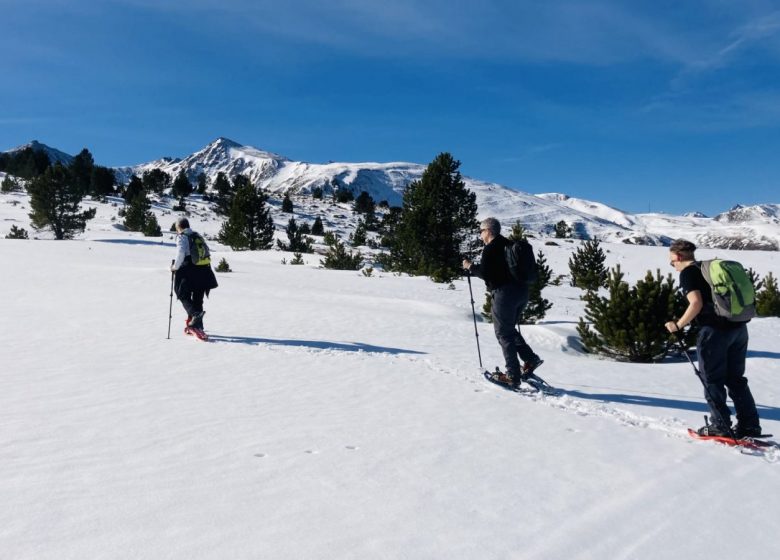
[(474, 313), (706, 389), (170, 307)]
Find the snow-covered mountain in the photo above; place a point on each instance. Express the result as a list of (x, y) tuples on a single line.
[(55, 155), (753, 227)]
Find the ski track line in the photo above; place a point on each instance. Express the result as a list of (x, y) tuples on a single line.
[(670, 426)]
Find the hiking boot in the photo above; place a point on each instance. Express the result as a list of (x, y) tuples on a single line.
[(197, 321), (747, 431), (502, 378), (714, 430), (529, 367)]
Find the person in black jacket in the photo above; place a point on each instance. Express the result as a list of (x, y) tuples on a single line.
[(509, 300), (193, 280), (721, 346)]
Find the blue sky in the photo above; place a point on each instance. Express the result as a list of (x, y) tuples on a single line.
[(648, 105)]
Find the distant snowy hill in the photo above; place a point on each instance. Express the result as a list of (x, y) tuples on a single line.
[(753, 227), (55, 156)]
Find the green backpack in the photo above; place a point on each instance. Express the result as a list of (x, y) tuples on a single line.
[(199, 251), (733, 294)]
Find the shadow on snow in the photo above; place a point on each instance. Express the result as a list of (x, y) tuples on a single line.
[(317, 344), (766, 412), (134, 242)]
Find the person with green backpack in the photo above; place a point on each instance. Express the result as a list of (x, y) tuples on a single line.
[(721, 301), (193, 275)]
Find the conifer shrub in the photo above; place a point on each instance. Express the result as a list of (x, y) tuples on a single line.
[(629, 324), (768, 299), (9, 185), (360, 236), (487, 308), (562, 230), (537, 306), (338, 258), (317, 228), (17, 233), (587, 268), (151, 227), (297, 242), (223, 266), (297, 258), (287, 204)]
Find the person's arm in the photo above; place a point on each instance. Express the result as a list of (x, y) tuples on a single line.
[(181, 246), (695, 305)]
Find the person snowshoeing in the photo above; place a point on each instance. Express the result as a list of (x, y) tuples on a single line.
[(193, 275), (721, 347), (509, 300)]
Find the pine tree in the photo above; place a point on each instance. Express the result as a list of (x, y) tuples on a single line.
[(338, 258), (249, 224), (364, 204), (360, 236), (487, 307), (151, 226), (181, 187), (139, 216), (101, 182), (439, 216), (224, 194), (587, 266), (562, 230), (537, 306), (317, 228), (134, 188), (54, 201), (755, 280), (316, 193), (768, 299), (202, 183), (10, 185), (518, 232), (297, 241), (629, 324), (156, 181), (287, 204), (27, 163), (81, 172)]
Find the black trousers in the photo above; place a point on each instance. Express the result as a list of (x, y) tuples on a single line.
[(722, 364), (192, 301), (508, 303)]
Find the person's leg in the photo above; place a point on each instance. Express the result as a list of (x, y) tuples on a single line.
[(744, 404), (523, 349), (711, 346), (504, 315)]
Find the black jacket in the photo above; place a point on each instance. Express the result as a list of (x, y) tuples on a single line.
[(492, 267)]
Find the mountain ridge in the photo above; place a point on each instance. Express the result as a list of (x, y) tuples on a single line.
[(745, 227)]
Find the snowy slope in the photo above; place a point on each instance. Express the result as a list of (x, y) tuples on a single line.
[(335, 415)]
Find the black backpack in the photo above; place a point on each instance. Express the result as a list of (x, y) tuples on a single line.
[(521, 262)]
